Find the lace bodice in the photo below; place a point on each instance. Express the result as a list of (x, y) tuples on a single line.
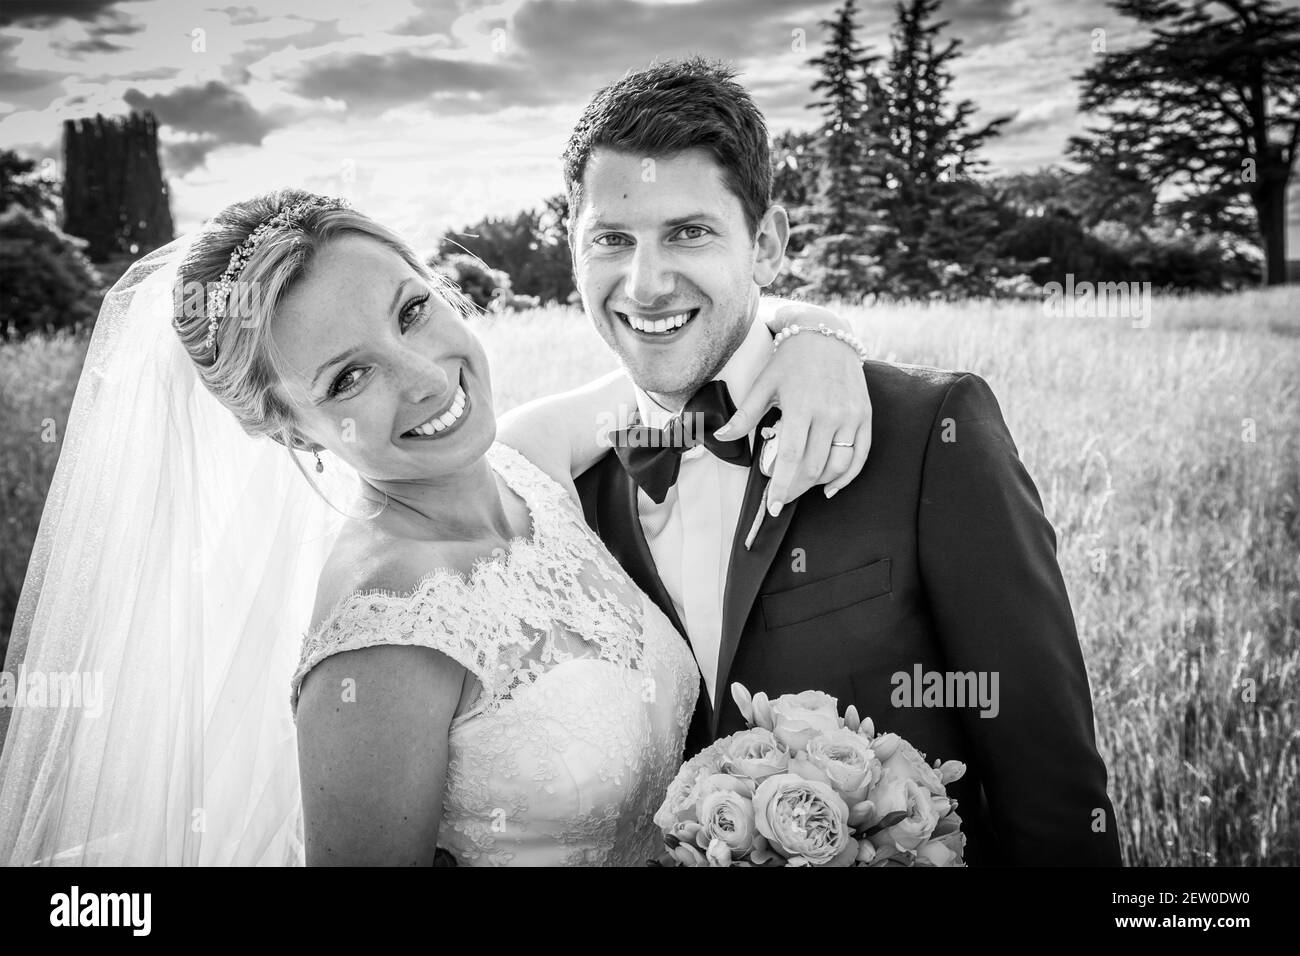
[(586, 689)]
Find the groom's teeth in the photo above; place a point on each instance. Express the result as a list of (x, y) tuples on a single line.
[(446, 419), (658, 326)]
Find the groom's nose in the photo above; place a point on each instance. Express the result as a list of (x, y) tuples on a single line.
[(649, 280)]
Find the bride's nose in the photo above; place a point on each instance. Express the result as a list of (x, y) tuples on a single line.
[(422, 379)]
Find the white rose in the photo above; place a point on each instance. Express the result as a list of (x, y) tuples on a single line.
[(801, 717)]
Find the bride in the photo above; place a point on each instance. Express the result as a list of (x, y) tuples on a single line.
[(477, 674)]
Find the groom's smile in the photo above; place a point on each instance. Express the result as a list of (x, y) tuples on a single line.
[(658, 327)]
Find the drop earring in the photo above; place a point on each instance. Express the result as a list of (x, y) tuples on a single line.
[(320, 465)]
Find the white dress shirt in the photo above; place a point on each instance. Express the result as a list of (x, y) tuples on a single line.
[(691, 533)]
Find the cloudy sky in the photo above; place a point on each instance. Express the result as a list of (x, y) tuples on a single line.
[(431, 113)]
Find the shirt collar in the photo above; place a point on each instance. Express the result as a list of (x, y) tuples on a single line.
[(739, 373)]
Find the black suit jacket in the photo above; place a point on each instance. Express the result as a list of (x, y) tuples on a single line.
[(937, 556)]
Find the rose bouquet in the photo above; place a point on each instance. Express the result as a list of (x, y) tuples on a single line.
[(804, 786)]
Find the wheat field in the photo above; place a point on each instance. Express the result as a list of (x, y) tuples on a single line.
[(1168, 459)]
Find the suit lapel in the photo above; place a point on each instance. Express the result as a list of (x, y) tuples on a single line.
[(747, 569), (625, 539)]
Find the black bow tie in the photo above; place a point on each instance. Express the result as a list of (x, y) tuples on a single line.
[(653, 456)]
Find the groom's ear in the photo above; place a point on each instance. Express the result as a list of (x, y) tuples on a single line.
[(769, 245)]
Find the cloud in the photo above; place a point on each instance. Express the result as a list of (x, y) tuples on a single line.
[(431, 17), (185, 156), (602, 39), (92, 45), (16, 79), (44, 13), (210, 116), (212, 109), (380, 81), (1046, 114), (546, 52), (978, 22)]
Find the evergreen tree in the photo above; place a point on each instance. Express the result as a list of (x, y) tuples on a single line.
[(796, 169), (942, 214), (844, 218)]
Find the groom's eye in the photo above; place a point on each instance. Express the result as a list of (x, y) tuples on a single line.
[(693, 232), (610, 239)]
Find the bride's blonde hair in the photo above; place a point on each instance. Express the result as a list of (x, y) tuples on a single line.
[(240, 367)]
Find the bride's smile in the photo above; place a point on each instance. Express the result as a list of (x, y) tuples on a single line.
[(440, 424)]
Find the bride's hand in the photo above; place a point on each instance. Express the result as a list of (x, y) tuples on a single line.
[(818, 383)]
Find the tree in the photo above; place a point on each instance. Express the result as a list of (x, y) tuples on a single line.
[(22, 185), (46, 283), (939, 209), (1209, 107), (796, 170), (552, 279), (532, 248), (1112, 186), (843, 212), (481, 284)]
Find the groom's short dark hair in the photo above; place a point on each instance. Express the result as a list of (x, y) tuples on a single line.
[(672, 106)]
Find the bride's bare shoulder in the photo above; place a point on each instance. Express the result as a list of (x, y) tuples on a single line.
[(366, 558)]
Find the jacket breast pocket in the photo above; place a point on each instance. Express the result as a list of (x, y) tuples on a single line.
[(807, 601)]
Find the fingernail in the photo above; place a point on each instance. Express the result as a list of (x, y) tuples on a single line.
[(774, 508), (830, 492)]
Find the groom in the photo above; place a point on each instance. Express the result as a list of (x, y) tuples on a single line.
[(933, 572)]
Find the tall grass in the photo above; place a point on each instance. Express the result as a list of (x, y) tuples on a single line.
[(38, 376), (1168, 458)]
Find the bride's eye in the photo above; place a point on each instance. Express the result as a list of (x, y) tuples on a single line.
[(347, 380), (413, 311)]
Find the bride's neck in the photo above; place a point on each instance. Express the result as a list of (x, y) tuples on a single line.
[(463, 506)]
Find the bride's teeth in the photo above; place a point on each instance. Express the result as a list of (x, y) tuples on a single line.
[(446, 419)]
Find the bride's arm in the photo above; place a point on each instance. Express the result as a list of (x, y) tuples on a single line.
[(816, 380), (372, 797)]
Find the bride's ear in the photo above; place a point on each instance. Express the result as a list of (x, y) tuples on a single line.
[(290, 438)]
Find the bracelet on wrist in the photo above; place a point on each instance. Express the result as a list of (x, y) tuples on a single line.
[(847, 338)]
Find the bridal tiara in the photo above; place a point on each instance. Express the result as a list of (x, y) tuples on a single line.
[(219, 295)]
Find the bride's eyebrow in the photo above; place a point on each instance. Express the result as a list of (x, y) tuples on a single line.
[(334, 361), (392, 307)]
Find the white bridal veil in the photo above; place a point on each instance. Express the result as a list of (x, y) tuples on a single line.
[(174, 572)]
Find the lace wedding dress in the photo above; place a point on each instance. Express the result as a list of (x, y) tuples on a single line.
[(586, 689)]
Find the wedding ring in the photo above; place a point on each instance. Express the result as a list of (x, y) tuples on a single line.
[(842, 444)]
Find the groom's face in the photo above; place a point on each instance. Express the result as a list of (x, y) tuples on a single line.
[(668, 268)]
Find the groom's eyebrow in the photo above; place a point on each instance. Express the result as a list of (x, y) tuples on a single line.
[(392, 307), (692, 217), (672, 223)]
